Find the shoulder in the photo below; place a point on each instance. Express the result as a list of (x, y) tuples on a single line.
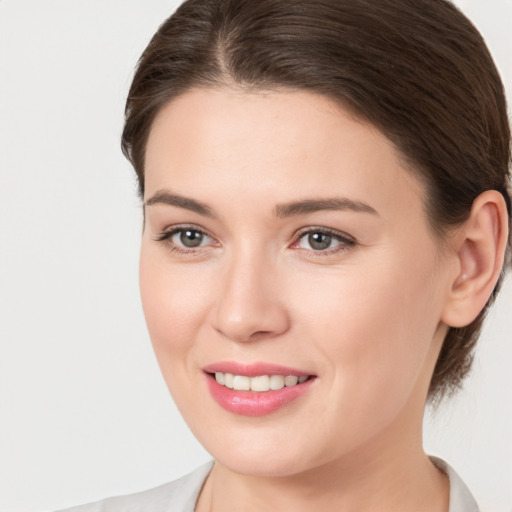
[(461, 499), (182, 494)]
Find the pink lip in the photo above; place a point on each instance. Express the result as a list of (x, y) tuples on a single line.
[(253, 369), (252, 403)]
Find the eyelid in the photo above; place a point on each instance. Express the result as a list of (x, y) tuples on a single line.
[(167, 233), (176, 228), (327, 231), (347, 241)]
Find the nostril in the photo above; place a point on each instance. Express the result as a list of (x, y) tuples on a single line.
[(259, 335)]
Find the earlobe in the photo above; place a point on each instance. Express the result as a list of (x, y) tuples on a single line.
[(480, 251)]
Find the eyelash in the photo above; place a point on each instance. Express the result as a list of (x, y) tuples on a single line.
[(166, 236), (346, 241)]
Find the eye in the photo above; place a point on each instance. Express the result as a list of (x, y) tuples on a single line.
[(318, 241), (323, 240), (189, 238), (185, 238)]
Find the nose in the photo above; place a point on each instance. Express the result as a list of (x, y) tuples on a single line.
[(250, 305)]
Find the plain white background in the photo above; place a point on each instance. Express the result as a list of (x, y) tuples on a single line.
[(84, 410)]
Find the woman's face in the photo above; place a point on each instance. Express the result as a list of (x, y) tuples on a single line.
[(284, 237)]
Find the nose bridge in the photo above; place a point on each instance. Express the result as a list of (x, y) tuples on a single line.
[(249, 303)]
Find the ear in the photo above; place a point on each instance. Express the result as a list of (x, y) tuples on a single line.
[(479, 250)]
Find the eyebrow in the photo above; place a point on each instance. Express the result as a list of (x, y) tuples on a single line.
[(281, 211), (320, 205), (165, 197)]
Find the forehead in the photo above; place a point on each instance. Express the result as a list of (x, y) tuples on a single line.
[(276, 145)]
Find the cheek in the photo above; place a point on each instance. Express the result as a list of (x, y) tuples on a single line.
[(375, 327), (174, 303)]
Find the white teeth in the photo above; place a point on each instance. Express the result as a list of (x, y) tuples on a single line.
[(241, 383), (228, 380), (276, 382), (291, 380), (260, 383)]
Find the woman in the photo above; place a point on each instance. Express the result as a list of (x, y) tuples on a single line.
[(326, 221)]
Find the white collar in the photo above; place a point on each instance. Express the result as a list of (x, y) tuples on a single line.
[(461, 499)]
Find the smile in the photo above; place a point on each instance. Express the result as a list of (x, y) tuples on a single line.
[(256, 389), (259, 383)]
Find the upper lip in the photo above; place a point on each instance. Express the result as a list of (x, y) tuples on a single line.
[(253, 369)]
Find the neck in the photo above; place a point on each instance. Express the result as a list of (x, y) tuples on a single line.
[(398, 479)]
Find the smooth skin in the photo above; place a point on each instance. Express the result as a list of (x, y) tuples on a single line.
[(355, 289)]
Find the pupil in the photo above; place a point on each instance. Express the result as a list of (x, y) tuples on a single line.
[(319, 241), (191, 238)]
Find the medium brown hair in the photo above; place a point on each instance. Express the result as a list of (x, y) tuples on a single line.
[(416, 69)]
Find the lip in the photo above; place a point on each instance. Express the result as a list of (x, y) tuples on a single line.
[(253, 369), (251, 403)]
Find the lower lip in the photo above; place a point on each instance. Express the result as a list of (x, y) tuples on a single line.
[(255, 403)]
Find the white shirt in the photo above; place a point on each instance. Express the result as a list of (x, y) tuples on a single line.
[(181, 495)]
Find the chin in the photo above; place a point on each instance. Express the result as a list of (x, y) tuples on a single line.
[(264, 465), (263, 452)]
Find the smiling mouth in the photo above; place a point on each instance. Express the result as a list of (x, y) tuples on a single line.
[(259, 383), (256, 389)]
